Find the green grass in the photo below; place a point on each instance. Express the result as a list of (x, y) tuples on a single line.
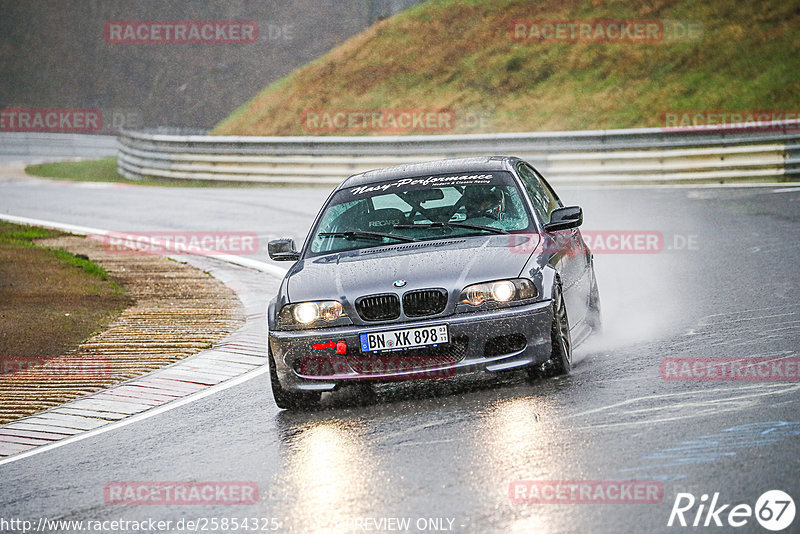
[(25, 236), (84, 263), (50, 299), (458, 55), (91, 170)]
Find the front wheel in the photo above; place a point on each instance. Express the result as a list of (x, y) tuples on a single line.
[(560, 360), (290, 400)]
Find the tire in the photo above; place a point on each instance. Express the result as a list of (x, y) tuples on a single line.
[(560, 340), (290, 400), (560, 361), (594, 317)]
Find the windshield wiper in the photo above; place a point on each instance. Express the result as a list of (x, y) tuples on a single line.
[(452, 225), (376, 236)]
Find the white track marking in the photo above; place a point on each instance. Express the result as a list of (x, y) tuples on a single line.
[(139, 417), (786, 190)]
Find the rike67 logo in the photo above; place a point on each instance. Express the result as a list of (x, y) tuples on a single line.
[(774, 510)]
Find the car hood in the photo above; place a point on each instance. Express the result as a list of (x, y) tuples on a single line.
[(450, 264)]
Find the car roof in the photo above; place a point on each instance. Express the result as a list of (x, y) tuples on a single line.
[(431, 168)]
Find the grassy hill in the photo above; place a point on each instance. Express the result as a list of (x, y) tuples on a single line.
[(459, 55)]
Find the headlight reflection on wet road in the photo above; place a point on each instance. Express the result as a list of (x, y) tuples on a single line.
[(517, 443), (329, 474)]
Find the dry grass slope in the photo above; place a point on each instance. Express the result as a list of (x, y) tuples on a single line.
[(458, 55)]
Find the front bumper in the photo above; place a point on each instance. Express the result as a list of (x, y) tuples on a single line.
[(485, 341)]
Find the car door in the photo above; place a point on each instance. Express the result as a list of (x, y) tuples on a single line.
[(569, 253)]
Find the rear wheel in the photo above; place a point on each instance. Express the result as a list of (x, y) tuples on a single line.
[(290, 400), (594, 318)]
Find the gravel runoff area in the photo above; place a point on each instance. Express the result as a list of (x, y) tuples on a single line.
[(178, 310)]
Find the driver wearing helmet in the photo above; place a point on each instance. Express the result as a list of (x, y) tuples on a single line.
[(483, 205)]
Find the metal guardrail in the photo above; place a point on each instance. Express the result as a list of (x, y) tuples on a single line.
[(770, 152), (28, 146)]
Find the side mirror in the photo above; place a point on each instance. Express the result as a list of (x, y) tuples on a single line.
[(565, 218), (282, 250)]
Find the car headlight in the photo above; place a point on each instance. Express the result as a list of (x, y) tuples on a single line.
[(498, 291), (308, 313)]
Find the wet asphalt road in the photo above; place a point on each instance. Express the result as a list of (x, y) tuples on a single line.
[(725, 285)]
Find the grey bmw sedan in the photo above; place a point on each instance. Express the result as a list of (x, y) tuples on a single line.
[(431, 271)]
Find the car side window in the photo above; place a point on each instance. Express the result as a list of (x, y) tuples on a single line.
[(543, 200)]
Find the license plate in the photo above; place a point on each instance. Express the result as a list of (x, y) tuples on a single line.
[(404, 339)]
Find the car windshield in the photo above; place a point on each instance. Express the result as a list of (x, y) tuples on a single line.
[(423, 208)]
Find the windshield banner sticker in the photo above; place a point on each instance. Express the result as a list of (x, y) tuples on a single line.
[(433, 181)]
